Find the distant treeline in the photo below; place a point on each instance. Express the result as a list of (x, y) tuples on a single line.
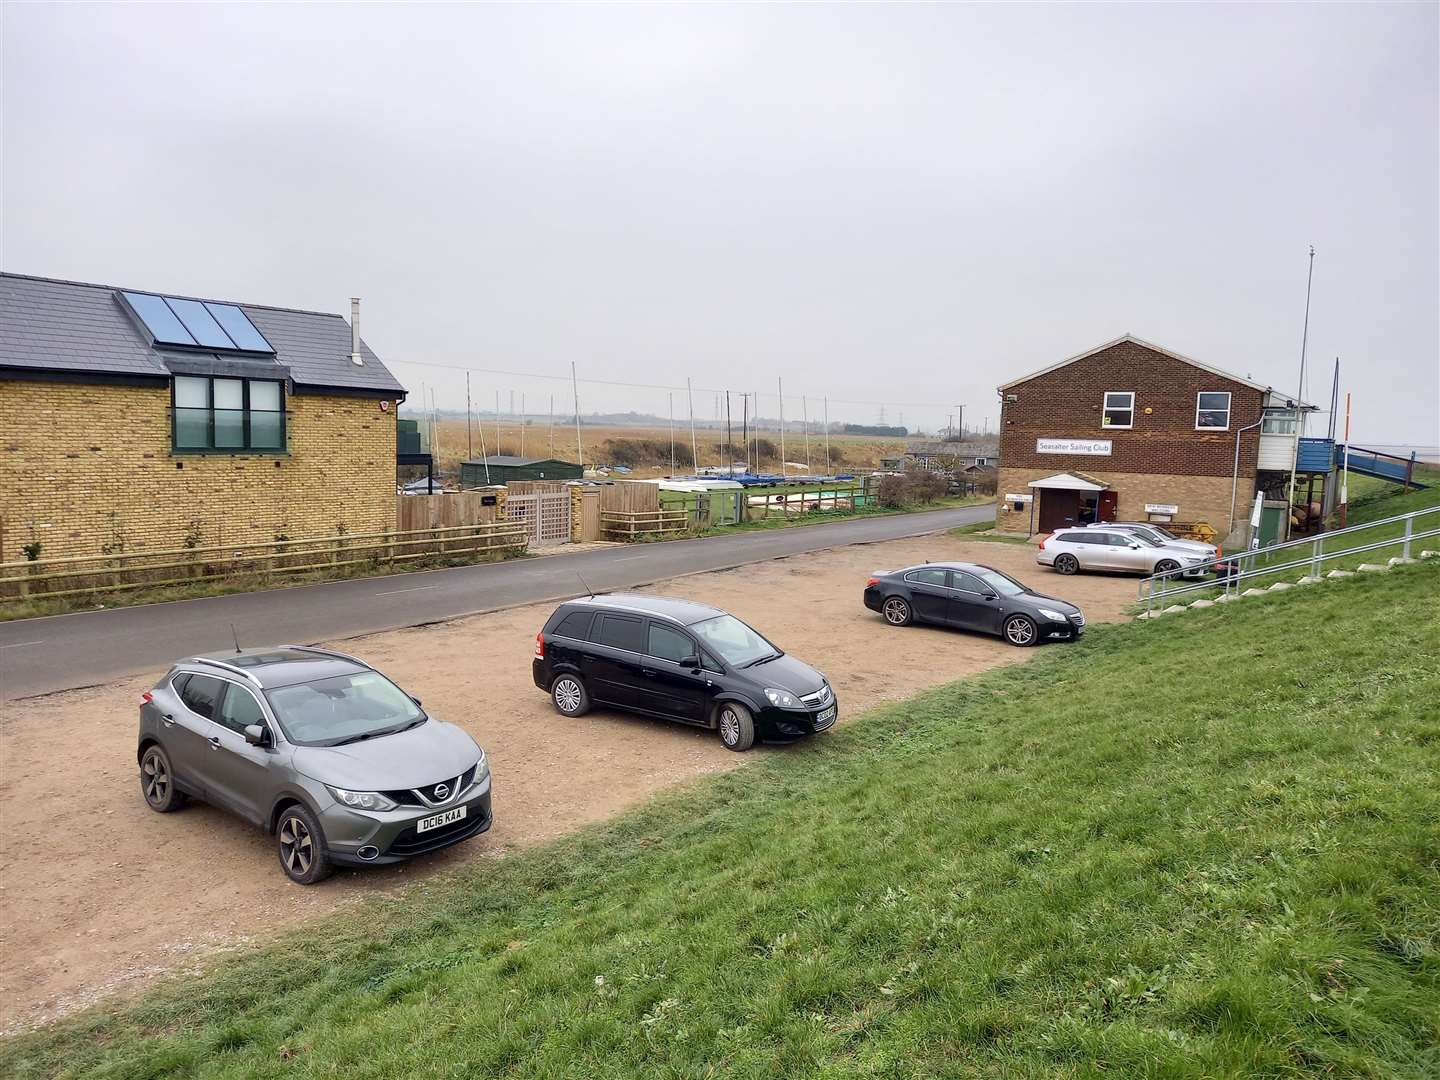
[(875, 429)]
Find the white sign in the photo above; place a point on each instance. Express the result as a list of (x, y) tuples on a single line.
[(1027, 497), (1093, 447), (1161, 508)]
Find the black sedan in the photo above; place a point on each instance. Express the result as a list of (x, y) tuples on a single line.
[(971, 597)]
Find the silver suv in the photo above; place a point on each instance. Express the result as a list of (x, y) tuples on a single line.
[(319, 749), (1094, 548), (1160, 536)]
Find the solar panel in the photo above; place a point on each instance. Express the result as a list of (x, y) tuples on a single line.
[(159, 319), (203, 328), (238, 325), (173, 321)]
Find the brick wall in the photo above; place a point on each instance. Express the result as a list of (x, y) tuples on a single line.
[(1067, 403), (1199, 498), (85, 467)]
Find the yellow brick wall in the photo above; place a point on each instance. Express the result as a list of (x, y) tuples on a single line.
[(83, 468), (1200, 498)]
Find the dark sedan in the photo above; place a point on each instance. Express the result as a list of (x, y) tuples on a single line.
[(971, 597)]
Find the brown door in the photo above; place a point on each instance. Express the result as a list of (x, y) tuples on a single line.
[(1109, 501), (1058, 509)]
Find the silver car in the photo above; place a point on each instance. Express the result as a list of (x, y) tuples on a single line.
[(1092, 548), (1160, 536), (319, 749)]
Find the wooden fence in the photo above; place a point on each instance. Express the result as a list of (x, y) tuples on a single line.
[(447, 510), (783, 504), (634, 525), (102, 573), (629, 497)]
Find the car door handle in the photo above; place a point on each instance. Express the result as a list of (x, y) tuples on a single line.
[(168, 720), (649, 673), (214, 742)]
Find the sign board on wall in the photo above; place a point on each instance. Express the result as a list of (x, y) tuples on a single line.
[(1161, 508), (1092, 447), (1027, 497)]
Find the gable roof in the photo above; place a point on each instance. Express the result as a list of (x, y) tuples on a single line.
[(72, 326), (1134, 341)]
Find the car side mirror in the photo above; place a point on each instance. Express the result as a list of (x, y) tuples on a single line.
[(255, 735), (692, 662), (992, 596), (413, 698)]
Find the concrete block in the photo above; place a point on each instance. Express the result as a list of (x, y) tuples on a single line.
[(1174, 609), (1228, 598), (1203, 604), (1309, 579), (1396, 560), (1370, 567), (1430, 554), (1340, 573), (1253, 592), (1280, 586)]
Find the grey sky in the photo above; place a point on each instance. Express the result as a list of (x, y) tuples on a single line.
[(907, 204)]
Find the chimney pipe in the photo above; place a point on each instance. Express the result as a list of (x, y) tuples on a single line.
[(355, 357)]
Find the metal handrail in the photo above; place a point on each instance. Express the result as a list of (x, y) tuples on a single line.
[(1238, 573)]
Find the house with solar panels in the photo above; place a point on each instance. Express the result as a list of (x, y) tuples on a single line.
[(133, 420)]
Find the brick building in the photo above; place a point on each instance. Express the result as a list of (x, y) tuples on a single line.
[(133, 421), (1129, 431)]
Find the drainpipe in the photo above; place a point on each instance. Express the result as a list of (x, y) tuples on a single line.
[(1235, 477), (355, 331)]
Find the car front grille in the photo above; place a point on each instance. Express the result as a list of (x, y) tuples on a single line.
[(819, 699), (455, 786)]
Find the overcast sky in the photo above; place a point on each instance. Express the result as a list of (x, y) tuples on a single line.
[(886, 204)]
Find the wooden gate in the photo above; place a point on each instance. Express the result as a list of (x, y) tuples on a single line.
[(545, 513)]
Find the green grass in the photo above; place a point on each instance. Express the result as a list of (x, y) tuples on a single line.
[(1206, 847), (980, 531), (821, 516)]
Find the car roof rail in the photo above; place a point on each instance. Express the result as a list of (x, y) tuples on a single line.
[(326, 652), (248, 676)]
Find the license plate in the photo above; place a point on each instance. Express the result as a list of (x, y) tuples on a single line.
[(825, 718), (436, 820)]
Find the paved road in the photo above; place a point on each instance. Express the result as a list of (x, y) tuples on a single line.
[(64, 651)]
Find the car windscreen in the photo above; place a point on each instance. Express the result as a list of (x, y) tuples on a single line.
[(345, 708), (1166, 533), (734, 642), (1144, 539), (1001, 583)]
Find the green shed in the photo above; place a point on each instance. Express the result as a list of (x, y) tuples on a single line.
[(503, 468)]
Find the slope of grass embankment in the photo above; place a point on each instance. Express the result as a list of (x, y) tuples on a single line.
[(1203, 847)]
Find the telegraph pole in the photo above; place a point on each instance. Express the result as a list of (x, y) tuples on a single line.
[(729, 450), (575, 389), (780, 393), (690, 400), (1299, 397)]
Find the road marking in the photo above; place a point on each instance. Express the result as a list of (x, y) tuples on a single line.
[(630, 558), (418, 588), (22, 644)]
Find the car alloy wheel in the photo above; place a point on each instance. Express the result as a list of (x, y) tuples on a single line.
[(1019, 630), (297, 847), (568, 696), (897, 611), (737, 727), (155, 778), (1164, 566), (1066, 564)]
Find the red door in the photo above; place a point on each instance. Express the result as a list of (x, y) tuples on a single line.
[(1109, 503), (1059, 509)]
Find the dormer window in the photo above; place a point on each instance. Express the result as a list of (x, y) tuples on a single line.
[(1119, 409), (228, 415)]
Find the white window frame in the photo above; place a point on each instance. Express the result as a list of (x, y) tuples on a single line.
[(1210, 427), (1105, 406)]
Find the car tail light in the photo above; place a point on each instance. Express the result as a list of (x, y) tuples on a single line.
[(872, 583), (540, 645), (146, 698), (1043, 538)]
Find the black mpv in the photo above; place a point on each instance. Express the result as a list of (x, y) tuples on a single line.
[(681, 661)]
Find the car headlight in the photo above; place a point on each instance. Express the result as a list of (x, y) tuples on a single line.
[(1051, 613), (361, 800), (781, 699), (482, 767)]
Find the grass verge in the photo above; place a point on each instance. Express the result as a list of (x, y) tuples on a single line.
[(819, 517), (1113, 860), (980, 530)]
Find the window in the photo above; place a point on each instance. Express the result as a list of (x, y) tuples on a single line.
[(735, 642), (201, 694), (1212, 411), (343, 709), (575, 625), (1003, 584), (228, 414), (968, 582), (621, 632), (1119, 410), (929, 577), (1278, 422), (668, 644), (239, 710)]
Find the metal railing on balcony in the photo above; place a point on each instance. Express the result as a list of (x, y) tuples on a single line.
[(1310, 554)]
